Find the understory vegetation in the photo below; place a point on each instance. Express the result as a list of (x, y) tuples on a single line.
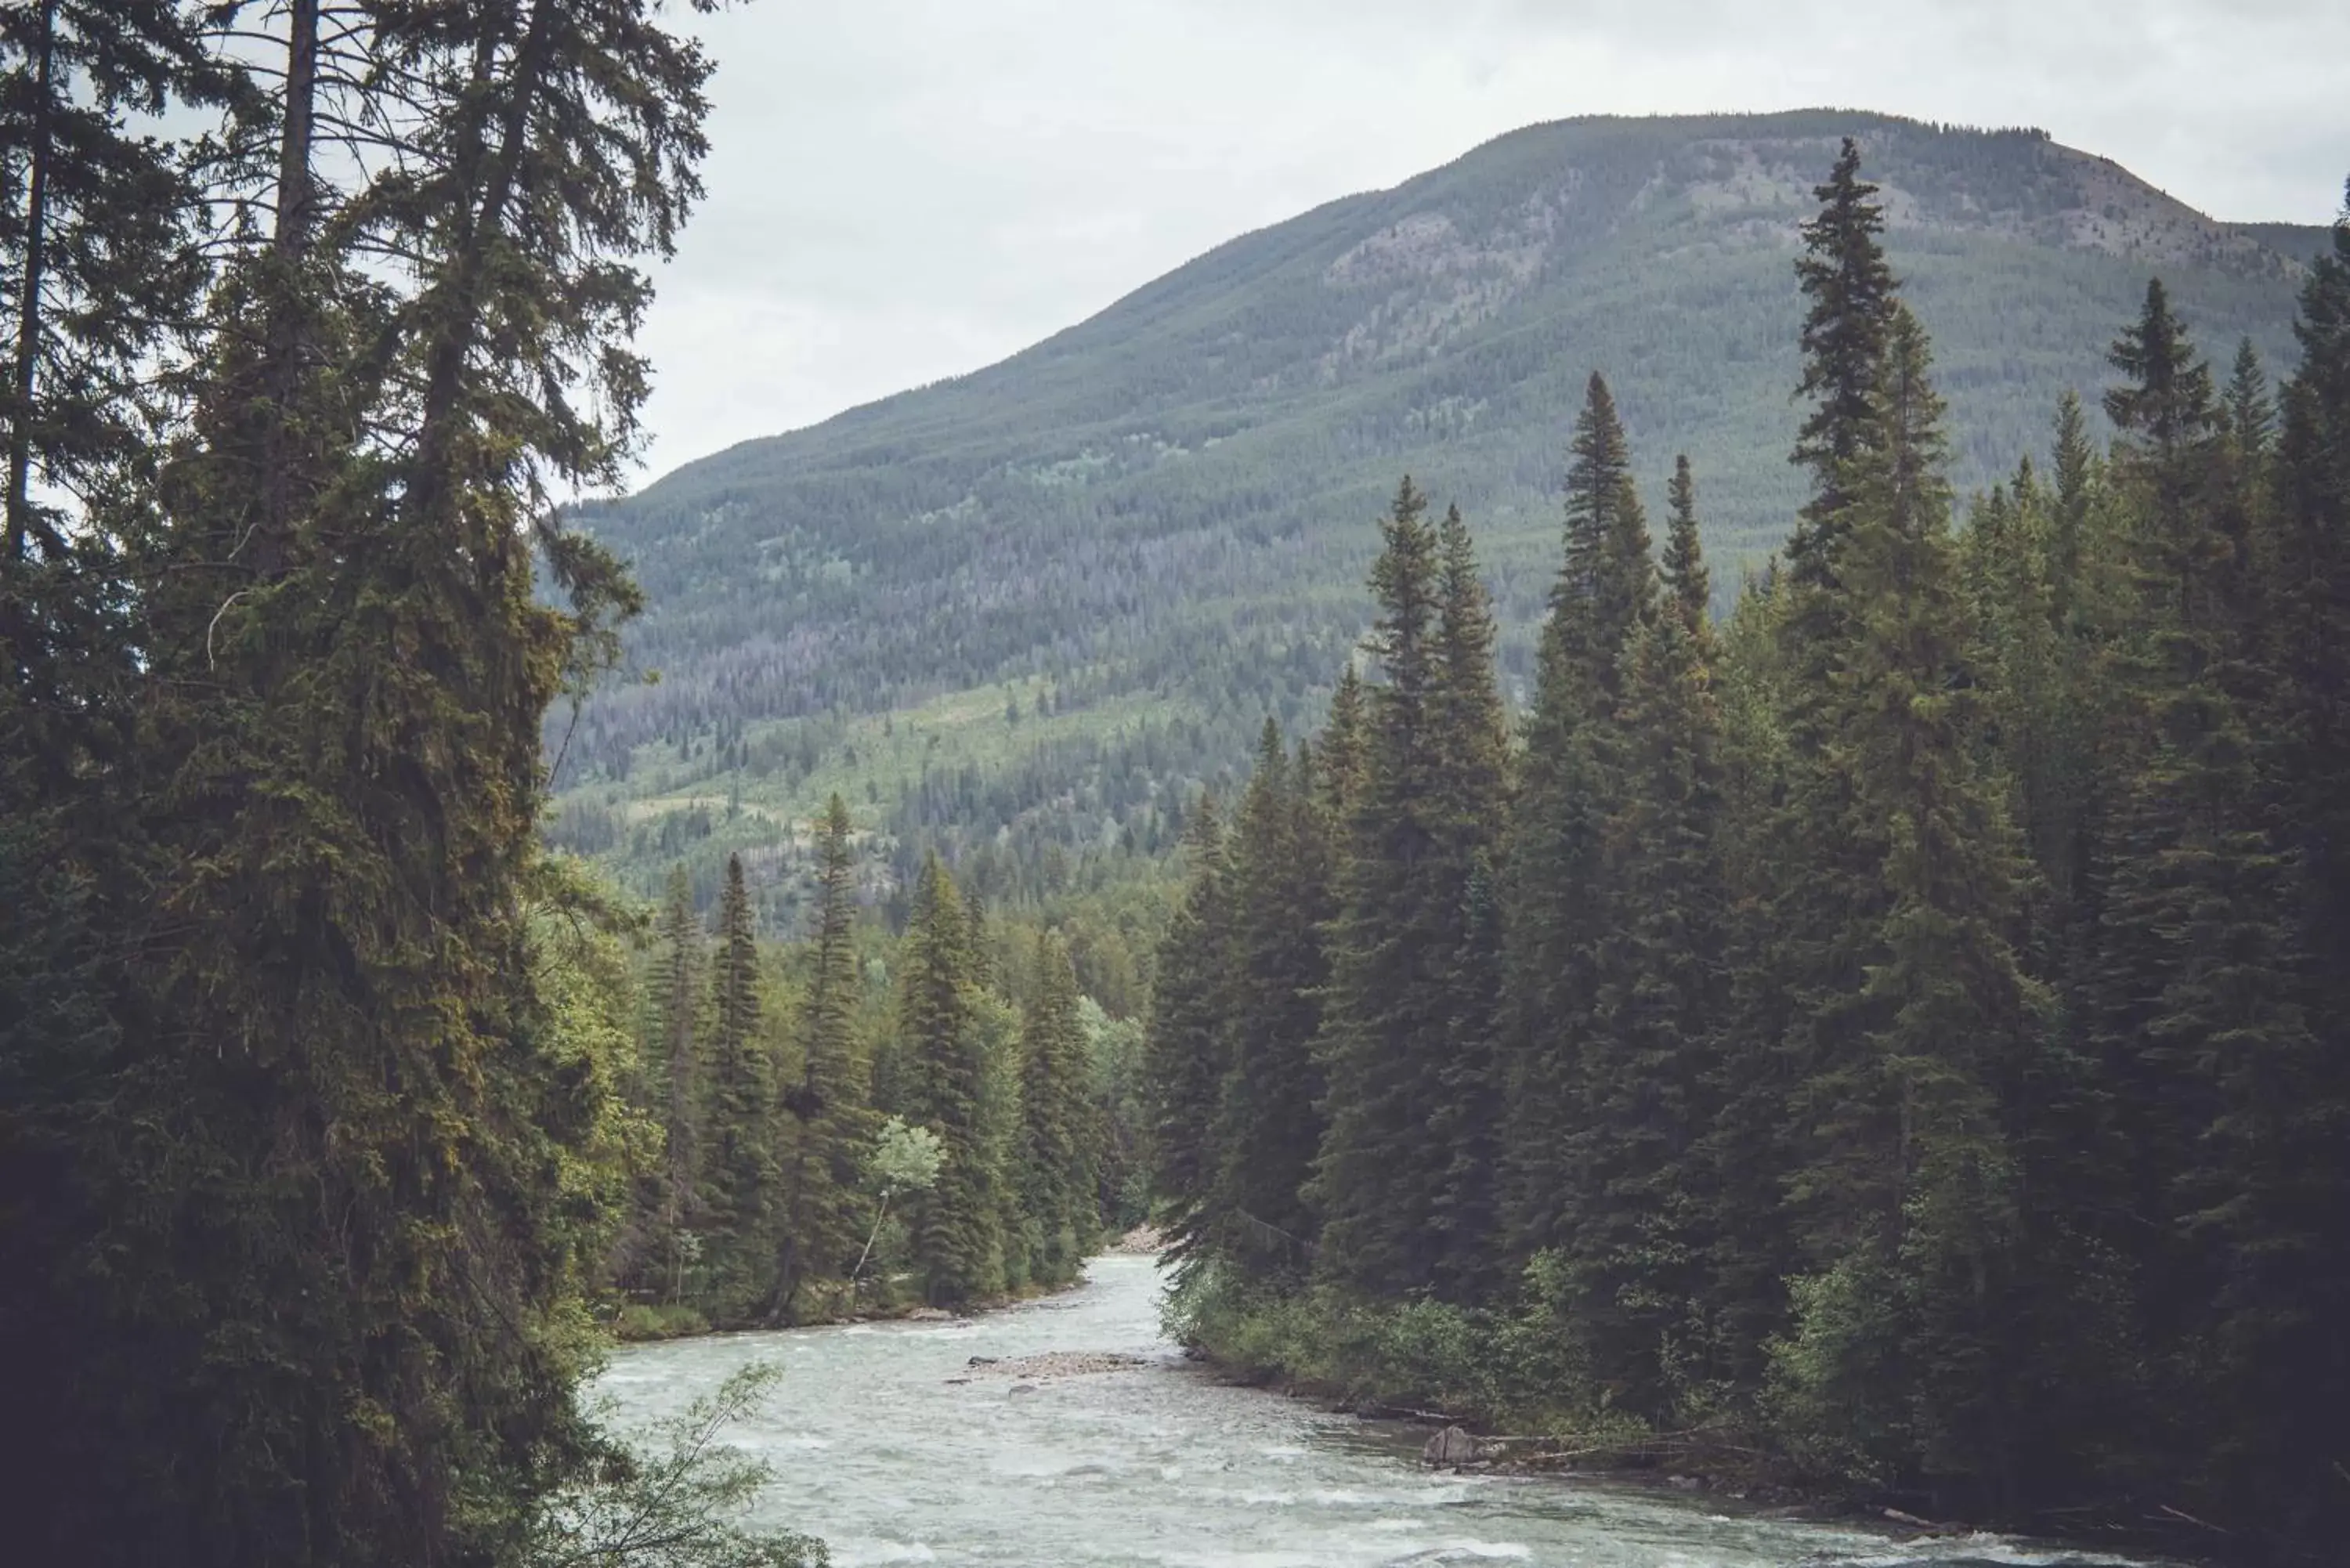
[(1897, 1029)]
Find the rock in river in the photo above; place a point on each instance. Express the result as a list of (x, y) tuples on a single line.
[(1450, 1447)]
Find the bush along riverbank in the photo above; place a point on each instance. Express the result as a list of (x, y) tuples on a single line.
[(1505, 1391), (897, 1298)]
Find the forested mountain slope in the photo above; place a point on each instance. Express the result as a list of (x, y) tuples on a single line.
[(1080, 577)]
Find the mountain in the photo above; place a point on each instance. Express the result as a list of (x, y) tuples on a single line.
[(1043, 598)]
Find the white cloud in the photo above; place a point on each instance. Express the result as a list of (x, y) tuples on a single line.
[(903, 190)]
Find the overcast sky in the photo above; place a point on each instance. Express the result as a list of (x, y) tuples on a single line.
[(901, 191)]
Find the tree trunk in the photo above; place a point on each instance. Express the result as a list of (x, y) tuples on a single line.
[(24, 377)]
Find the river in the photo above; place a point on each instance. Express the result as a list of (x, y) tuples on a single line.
[(876, 1451)]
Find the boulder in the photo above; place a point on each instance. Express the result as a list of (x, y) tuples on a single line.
[(1450, 1447)]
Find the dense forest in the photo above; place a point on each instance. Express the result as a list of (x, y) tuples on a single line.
[(315, 1137), (858, 1120), (1896, 1029), (1888, 1028)]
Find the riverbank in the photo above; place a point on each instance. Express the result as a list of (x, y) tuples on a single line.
[(1484, 1394), (638, 1323), (1085, 1440)]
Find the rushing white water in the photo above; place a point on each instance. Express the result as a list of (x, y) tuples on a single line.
[(876, 1451)]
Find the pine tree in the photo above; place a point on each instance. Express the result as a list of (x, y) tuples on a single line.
[(1268, 1122), (739, 1152), (2191, 960), (1812, 878), (1633, 1236), (1185, 1055), (1688, 587), (828, 1129), (1472, 740), (1340, 749), (1851, 290), (958, 1245), (98, 256), (343, 1177), (679, 998), (2274, 1170), (1379, 1171), (1056, 1165), (1605, 593), (1909, 1189)]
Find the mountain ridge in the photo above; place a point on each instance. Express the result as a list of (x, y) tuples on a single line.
[(1172, 498)]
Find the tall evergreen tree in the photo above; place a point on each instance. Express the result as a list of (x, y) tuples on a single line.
[(679, 1000), (739, 1160), (1633, 1235), (1057, 1163), (1851, 291), (1339, 752), (1605, 592), (2192, 952), (2274, 1172), (828, 1126), (1268, 1122), (958, 1243), (98, 255), (1185, 1049), (1909, 1190), (1688, 587), (338, 1177), (1394, 943), (1471, 795)]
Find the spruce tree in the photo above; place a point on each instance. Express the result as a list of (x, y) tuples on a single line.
[(739, 1151), (2192, 948), (1908, 1190), (679, 1043), (1339, 752), (1605, 592), (1851, 291), (97, 255), (827, 1127), (350, 1242), (2274, 1173), (1392, 944), (1470, 792), (1688, 587), (1057, 1155), (1185, 1053), (1634, 1234), (1268, 1122), (958, 1245)]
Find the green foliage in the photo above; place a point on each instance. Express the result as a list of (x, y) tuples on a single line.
[(1919, 1028), (958, 1228), (1407, 1039), (740, 1173), (673, 1502), (829, 1120), (1060, 1208), (329, 1074), (904, 1159)]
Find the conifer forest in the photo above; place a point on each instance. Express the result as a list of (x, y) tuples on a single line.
[(1898, 1024), (1871, 1008)]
